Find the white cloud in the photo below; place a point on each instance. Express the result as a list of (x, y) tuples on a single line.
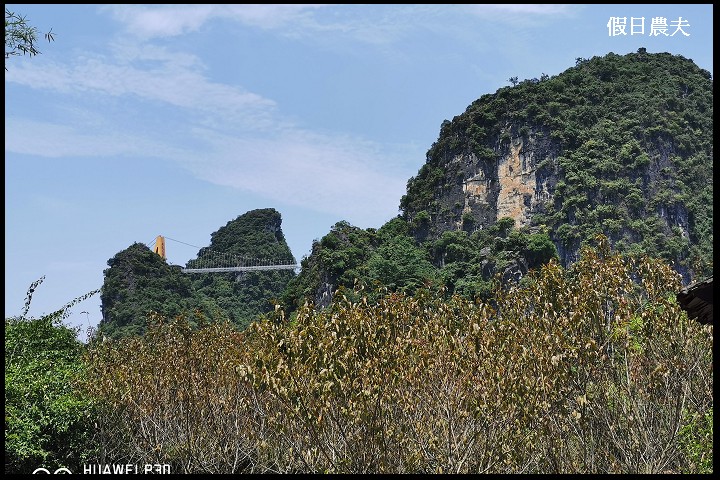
[(162, 21), (170, 20), (370, 24), (172, 79), (516, 24), (526, 9), (51, 140), (222, 133), (355, 179), (332, 174)]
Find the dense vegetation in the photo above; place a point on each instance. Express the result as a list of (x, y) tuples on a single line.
[(463, 263), (242, 297), (590, 369), (139, 282), (624, 146), (48, 421)]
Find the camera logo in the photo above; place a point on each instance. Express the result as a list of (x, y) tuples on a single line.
[(58, 471)]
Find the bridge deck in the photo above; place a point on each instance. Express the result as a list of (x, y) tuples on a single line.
[(239, 269)]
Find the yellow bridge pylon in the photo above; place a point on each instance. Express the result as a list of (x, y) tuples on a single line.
[(160, 246)]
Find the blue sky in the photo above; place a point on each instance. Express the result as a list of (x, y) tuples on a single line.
[(146, 120)]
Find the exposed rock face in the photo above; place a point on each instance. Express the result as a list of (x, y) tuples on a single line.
[(513, 188), (516, 179), (618, 145)]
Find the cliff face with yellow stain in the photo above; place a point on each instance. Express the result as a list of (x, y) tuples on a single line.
[(513, 189), (516, 179), (618, 145)]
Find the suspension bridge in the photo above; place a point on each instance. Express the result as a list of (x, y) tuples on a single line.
[(209, 261)]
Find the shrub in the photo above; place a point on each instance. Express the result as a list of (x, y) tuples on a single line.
[(591, 369), (47, 421)]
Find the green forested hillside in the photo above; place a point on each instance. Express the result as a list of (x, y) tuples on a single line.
[(243, 297), (139, 282), (620, 145), (459, 262)]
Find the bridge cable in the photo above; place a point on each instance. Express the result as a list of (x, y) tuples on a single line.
[(178, 241)]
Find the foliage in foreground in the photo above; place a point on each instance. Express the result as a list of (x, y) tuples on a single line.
[(591, 369), (20, 37), (47, 421)]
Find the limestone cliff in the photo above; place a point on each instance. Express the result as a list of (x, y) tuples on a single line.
[(510, 188), (620, 145)]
